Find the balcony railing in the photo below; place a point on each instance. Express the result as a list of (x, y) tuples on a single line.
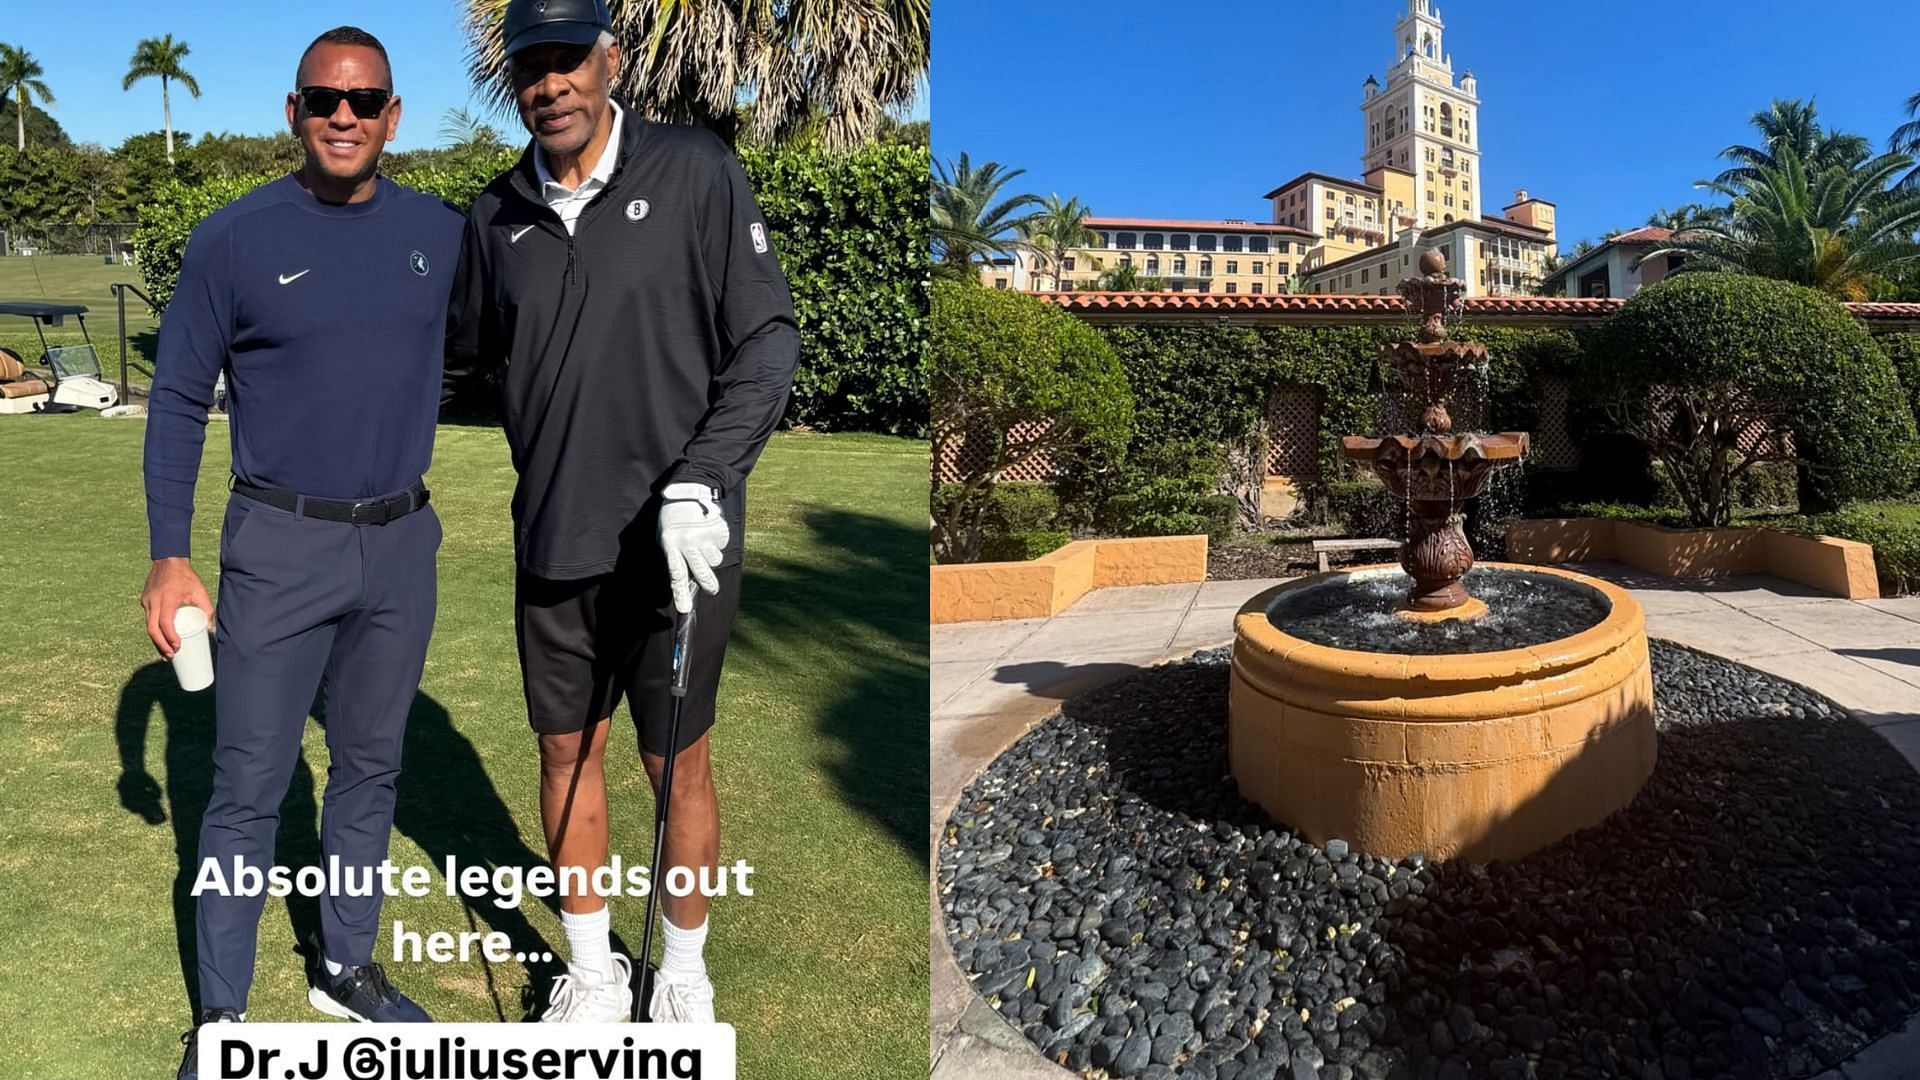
[(1354, 223)]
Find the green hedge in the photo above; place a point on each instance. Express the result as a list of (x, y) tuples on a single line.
[(1364, 507), (852, 235), (1020, 521), (1209, 386), (1895, 537), (1022, 546), (1903, 352), (851, 230)]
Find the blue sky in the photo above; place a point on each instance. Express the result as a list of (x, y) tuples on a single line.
[(1607, 110), (244, 53)]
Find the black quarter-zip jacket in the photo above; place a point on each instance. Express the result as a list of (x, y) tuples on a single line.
[(656, 345)]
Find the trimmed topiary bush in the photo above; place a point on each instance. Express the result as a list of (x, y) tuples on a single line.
[(1001, 360), (1694, 363)]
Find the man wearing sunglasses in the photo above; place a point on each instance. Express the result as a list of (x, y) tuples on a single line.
[(625, 270), (322, 297)]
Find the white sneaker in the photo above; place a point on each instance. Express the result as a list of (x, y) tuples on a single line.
[(681, 999), (577, 1001)]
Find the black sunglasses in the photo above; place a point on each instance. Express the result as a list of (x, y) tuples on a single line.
[(323, 101)]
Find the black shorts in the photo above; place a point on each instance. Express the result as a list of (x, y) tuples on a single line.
[(586, 644)]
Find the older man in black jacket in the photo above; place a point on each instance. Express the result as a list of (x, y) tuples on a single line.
[(622, 276)]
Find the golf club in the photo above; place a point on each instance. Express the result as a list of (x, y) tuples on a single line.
[(682, 646)]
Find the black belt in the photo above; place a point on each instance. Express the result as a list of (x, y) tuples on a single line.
[(363, 512)]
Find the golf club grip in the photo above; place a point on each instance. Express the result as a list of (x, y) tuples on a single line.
[(682, 653)]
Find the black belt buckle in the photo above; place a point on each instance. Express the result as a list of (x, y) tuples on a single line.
[(380, 512)]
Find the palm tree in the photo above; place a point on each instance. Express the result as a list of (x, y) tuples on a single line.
[(1057, 228), (1685, 217), (1906, 140), (20, 79), (1836, 229), (837, 65), (967, 222), (160, 58), (1794, 124), (1126, 277)]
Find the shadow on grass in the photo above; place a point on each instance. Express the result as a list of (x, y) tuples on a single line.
[(446, 803), (877, 719)]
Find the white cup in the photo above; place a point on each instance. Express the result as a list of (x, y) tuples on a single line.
[(193, 660)]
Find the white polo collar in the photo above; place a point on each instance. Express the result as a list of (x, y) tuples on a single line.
[(602, 170)]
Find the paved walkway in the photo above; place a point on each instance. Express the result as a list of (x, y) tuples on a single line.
[(993, 680)]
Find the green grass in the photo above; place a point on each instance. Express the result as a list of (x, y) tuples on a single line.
[(820, 757), (78, 279)]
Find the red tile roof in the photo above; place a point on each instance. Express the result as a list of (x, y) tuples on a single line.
[(1577, 308), (1111, 223), (1646, 234)]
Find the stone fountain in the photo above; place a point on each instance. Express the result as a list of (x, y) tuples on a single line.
[(1435, 471), (1439, 707)]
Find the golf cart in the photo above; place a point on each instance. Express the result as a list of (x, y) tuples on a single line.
[(76, 368)]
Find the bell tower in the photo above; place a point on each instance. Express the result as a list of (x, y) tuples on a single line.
[(1423, 123)]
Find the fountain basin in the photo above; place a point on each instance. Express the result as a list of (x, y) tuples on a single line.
[(1481, 755)]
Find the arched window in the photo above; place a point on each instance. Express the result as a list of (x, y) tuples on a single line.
[(1426, 43)]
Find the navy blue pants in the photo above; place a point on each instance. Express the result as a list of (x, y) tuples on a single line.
[(303, 603)]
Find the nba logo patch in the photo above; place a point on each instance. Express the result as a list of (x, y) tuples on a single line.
[(418, 260), (638, 208), (759, 232)]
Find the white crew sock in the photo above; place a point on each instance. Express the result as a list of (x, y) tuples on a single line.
[(684, 948), (333, 968), (589, 948)]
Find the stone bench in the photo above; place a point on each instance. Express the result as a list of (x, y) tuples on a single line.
[(1321, 548)]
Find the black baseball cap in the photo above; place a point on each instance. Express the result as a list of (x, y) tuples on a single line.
[(566, 22)]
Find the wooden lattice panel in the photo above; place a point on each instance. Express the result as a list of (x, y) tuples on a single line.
[(1553, 445), (963, 457), (1293, 432)]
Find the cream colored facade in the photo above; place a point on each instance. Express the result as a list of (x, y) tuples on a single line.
[(1502, 256), (1348, 216), (1227, 257), (1421, 188)]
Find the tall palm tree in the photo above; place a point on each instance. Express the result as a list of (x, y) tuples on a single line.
[(159, 58), (831, 66), (967, 221), (1837, 229), (1906, 140), (1794, 123), (1057, 228), (20, 80)]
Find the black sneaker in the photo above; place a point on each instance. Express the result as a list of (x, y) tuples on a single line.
[(364, 994), (190, 1065)]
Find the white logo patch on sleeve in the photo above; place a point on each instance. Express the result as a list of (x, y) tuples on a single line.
[(759, 232)]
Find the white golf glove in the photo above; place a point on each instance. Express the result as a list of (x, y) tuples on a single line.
[(693, 533)]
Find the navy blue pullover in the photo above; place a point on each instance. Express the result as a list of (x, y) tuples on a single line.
[(330, 323)]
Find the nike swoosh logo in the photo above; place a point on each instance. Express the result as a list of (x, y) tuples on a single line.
[(289, 278), (521, 233)]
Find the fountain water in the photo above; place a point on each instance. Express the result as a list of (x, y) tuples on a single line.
[(1436, 706)]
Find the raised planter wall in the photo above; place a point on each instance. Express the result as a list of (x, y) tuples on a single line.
[(1476, 755), (1844, 568), (968, 592)]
